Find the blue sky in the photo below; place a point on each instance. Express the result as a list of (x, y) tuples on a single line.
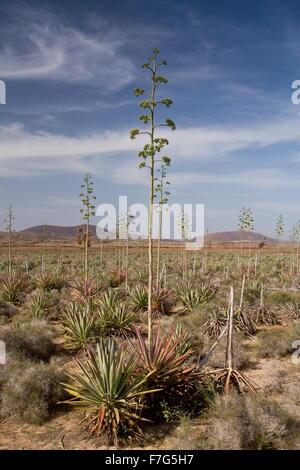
[(70, 69)]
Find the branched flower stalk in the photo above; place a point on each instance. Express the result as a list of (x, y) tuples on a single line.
[(10, 230), (151, 149), (279, 230), (184, 233), (295, 237), (245, 224), (162, 194), (87, 211)]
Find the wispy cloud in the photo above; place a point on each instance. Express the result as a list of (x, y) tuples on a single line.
[(45, 150), (44, 48), (68, 107), (258, 178)]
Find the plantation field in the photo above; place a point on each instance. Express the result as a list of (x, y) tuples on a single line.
[(91, 335)]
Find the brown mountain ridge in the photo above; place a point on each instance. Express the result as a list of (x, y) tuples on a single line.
[(57, 232)]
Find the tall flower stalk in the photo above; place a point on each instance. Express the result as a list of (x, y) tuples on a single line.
[(245, 224), (87, 211), (279, 230), (151, 149), (9, 227), (162, 194)]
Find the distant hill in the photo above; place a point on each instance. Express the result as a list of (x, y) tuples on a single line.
[(53, 232), (236, 235), (57, 232)]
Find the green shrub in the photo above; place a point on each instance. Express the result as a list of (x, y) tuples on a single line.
[(281, 297), (248, 422), (32, 340), (7, 309), (32, 391), (277, 343)]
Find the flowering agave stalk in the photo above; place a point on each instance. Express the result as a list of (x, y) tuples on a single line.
[(88, 211), (162, 194), (245, 223), (151, 149), (10, 230), (294, 237), (184, 232), (279, 230)]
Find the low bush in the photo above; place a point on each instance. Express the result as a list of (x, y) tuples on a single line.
[(31, 391), (281, 297), (31, 340), (275, 344), (248, 422)]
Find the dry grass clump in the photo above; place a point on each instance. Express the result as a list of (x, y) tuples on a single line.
[(31, 390), (31, 340), (282, 297), (185, 437), (275, 344), (248, 422)]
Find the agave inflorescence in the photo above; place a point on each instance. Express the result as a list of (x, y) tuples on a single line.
[(109, 392)]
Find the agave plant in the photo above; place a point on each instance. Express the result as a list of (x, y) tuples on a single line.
[(79, 327), (159, 297), (11, 286), (255, 290), (185, 343), (290, 310), (39, 305), (262, 315), (162, 360), (116, 277), (49, 281), (85, 289), (244, 321), (109, 392), (115, 321), (215, 324), (191, 296), (110, 299), (139, 297), (141, 275)]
